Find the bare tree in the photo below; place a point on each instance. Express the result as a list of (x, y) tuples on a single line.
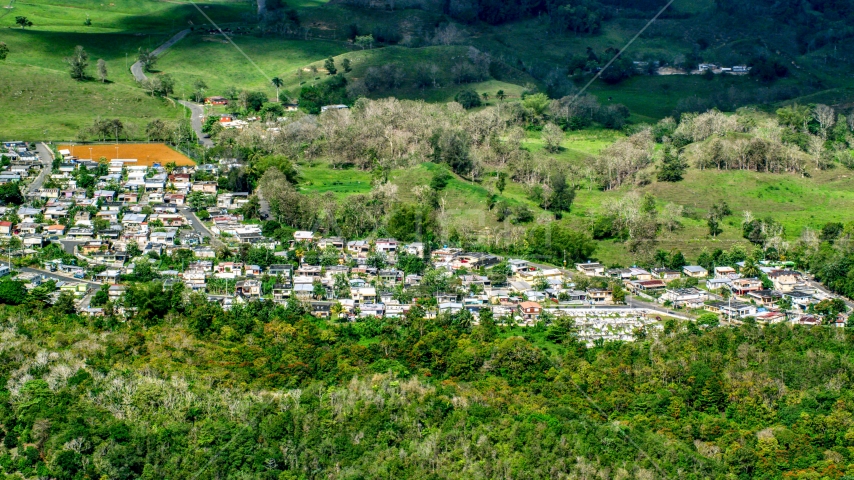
[(102, 70), (553, 136), (825, 116)]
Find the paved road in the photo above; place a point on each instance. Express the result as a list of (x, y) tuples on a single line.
[(200, 227), (139, 72), (818, 286), (197, 111), (58, 276), (46, 159), (68, 245)]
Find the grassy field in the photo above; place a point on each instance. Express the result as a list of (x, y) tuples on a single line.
[(40, 103)]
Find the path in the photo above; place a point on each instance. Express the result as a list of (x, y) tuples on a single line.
[(196, 111)]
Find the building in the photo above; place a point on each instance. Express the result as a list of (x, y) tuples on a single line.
[(684, 297), (530, 310), (591, 269)]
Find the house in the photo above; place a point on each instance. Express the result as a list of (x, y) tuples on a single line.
[(194, 279), (599, 296), (530, 310), (800, 298), (766, 298), (684, 297), (731, 309), (174, 199), (477, 259), (742, 286), (364, 295), (321, 309), (281, 292), (771, 317), (646, 285), (55, 229), (713, 284), (204, 187), (111, 276), (786, 280), (666, 274), (416, 248), (228, 270), (333, 107), (303, 236), (215, 100), (79, 233), (591, 269), (385, 245), (248, 288), (725, 272), (166, 237), (5, 228), (284, 270), (253, 271), (91, 247), (331, 242)]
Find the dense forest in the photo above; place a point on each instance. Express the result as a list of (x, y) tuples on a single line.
[(183, 389)]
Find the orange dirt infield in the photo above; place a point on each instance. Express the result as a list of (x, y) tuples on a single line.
[(145, 153)]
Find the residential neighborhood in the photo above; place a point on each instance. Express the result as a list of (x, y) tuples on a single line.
[(95, 225)]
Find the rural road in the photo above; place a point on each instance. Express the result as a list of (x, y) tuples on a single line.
[(196, 110), (139, 72)]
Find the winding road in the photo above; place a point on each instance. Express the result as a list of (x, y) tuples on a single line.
[(196, 111)]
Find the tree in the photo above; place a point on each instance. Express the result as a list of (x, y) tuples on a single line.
[(501, 95), (329, 65), (199, 87), (23, 22), (133, 250), (78, 62), (10, 193), (277, 83), (708, 320), (468, 98), (365, 41), (555, 243), (347, 66), (672, 166), (4, 51), (12, 292), (102, 70), (501, 183), (536, 105), (552, 137), (147, 58)]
